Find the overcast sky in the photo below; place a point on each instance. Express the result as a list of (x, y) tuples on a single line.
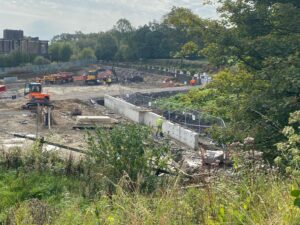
[(46, 18)]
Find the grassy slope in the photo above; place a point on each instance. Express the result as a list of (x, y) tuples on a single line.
[(258, 199)]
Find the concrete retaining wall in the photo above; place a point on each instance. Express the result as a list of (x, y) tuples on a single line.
[(150, 118), (123, 108), (139, 115)]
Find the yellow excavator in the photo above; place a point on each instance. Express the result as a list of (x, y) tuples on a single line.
[(91, 77)]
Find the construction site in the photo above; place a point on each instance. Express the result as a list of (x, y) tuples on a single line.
[(59, 109)]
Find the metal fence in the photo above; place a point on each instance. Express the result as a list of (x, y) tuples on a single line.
[(193, 119), (49, 68)]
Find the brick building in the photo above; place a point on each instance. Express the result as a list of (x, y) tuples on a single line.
[(14, 40)]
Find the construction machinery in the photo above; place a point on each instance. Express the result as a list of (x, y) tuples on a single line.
[(99, 76), (91, 78), (36, 97), (59, 78)]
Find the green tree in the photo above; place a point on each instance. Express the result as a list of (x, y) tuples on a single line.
[(106, 48), (15, 58), (262, 37), (54, 51), (123, 26), (40, 60), (189, 27), (87, 53), (65, 52), (189, 50)]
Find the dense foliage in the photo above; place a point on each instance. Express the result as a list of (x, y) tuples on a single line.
[(259, 44), (181, 34), (15, 59), (290, 149), (126, 151)]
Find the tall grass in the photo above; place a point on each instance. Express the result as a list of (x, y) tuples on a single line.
[(264, 200), (39, 187)]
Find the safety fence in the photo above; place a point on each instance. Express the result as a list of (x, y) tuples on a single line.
[(49, 68), (193, 119)]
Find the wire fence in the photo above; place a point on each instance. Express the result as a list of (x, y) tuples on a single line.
[(49, 68), (190, 118)]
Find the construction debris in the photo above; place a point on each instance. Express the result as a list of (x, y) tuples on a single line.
[(213, 157), (76, 112), (91, 122)]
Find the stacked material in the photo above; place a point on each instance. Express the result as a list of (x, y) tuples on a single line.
[(90, 122)]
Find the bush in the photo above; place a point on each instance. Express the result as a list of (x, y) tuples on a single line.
[(87, 53), (289, 150), (126, 152), (40, 60)]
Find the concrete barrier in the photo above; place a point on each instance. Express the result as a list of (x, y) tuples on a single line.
[(124, 108), (147, 117)]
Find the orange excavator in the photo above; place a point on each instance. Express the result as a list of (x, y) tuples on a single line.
[(36, 96)]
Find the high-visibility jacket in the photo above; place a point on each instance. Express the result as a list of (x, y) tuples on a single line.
[(159, 122), (193, 82)]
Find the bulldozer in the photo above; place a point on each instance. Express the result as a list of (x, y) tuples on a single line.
[(36, 97)]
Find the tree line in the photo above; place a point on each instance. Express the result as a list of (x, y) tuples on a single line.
[(172, 38), (181, 34)]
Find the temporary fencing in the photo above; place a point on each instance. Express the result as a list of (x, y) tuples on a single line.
[(49, 68), (193, 119)]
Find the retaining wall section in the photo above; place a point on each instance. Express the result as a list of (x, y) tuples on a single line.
[(142, 116), (123, 108)]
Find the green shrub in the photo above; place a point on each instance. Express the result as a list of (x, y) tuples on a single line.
[(290, 149), (126, 154), (40, 60)]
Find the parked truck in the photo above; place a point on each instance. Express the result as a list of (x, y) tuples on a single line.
[(58, 78)]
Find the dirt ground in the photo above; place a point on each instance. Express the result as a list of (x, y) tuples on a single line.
[(15, 120), (65, 99), (78, 90)]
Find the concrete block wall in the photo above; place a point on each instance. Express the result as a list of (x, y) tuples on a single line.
[(150, 118), (123, 108), (138, 115), (183, 135)]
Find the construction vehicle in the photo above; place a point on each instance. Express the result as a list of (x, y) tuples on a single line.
[(59, 78), (99, 76), (91, 78), (36, 97)]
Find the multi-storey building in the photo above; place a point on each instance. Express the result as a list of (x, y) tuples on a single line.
[(14, 40)]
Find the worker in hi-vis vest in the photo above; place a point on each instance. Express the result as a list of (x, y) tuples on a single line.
[(159, 123)]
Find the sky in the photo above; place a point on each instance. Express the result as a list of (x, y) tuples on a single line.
[(46, 18)]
